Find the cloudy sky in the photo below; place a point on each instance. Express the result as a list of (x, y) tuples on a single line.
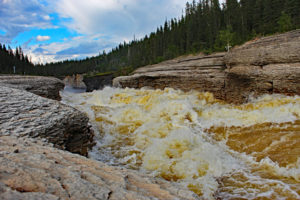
[(52, 30)]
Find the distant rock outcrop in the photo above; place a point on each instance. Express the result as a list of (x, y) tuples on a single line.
[(26, 114), (97, 82), (75, 81), (262, 66), (48, 87), (31, 169)]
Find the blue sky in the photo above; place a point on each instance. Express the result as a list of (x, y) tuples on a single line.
[(53, 30)]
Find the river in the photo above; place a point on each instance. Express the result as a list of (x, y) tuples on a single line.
[(217, 150)]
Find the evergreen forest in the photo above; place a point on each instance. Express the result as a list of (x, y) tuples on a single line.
[(14, 61), (205, 26)]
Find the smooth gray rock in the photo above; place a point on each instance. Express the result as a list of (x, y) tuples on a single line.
[(26, 114)]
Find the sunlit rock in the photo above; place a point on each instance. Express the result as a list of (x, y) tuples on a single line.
[(31, 169)]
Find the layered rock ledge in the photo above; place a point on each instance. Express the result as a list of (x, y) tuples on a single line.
[(25, 114), (48, 87), (31, 169), (263, 66), (201, 73)]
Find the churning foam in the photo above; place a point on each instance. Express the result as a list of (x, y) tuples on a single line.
[(213, 148)]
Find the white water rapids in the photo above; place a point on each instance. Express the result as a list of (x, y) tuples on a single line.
[(217, 150)]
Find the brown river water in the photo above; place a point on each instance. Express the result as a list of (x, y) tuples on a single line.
[(217, 150)]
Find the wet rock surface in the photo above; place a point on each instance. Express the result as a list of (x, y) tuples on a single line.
[(31, 169), (26, 114), (48, 87)]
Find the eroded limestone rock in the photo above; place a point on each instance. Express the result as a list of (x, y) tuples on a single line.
[(26, 114), (243, 81), (201, 73), (31, 169), (279, 48), (48, 87), (263, 66)]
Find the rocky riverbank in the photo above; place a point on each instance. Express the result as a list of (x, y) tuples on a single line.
[(263, 66), (35, 130)]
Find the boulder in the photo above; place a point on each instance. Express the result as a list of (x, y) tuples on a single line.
[(26, 114), (48, 87), (31, 169)]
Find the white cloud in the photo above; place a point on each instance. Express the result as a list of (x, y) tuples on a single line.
[(75, 48), (46, 17), (17, 16), (118, 18), (104, 23), (41, 38)]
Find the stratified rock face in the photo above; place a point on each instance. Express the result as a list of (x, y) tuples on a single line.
[(280, 48), (75, 81), (48, 87), (262, 66), (97, 82), (31, 169), (243, 81), (26, 114), (202, 73)]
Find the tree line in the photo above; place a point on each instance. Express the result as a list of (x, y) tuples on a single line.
[(205, 26), (14, 61)]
